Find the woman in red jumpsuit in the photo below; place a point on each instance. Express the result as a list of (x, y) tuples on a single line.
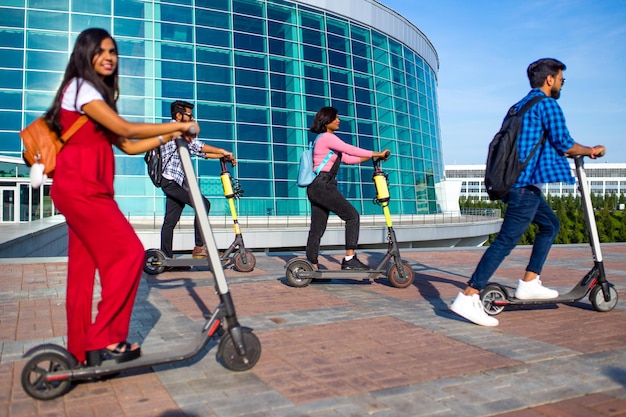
[(100, 237)]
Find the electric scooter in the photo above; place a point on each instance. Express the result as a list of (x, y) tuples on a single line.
[(602, 295), (243, 260), (300, 272), (51, 369)]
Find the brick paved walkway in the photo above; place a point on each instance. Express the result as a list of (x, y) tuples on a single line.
[(343, 348)]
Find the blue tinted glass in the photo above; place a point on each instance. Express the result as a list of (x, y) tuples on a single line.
[(132, 86), (81, 22), (315, 87), (214, 112), (282, 48), (11, 38), (215, 92), (251, 78), (281, 14), (36, 101), (312, 53), (213, 56), (11, 78), (178, 90), (251, 96), (338, 43), (364, 112), (252, 115), (249, 42), (176, 51), (129, 8), (250, 61), (129, 27), (379, 39), (10, 100), (218, 131), (214, 4), (44, 80), (176, 32), (213, 37), (251, 7), (10, 141), (132, 67), (212, 18), (131, 48), (361, 64), (314, 71), (340, 91), (249, 24), (339, 76), (311, 20), (254, 133), (337, 27), (360, 33), (338, 59), (313, 37), (54, 61), (177, 70), (95, 7), (176, 14), (314, 103), (12, 18), (214, 73), (48, 20), (46, 41)]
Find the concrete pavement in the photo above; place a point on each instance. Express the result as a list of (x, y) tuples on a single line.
[(342, 348)]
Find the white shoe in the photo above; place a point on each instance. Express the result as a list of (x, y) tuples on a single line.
[(534, 290), (471, 308)]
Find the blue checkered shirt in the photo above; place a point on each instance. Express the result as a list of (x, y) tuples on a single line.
[(172, 167), (549, 164)]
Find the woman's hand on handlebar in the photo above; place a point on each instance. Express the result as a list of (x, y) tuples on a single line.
[(229, 157), (384, 155)]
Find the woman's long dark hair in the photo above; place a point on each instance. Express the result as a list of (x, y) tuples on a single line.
[(80, 66), (324, 116)]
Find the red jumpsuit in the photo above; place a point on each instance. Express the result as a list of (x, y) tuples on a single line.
[(100, 238)]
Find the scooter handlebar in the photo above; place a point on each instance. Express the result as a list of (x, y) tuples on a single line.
[(384, 158)]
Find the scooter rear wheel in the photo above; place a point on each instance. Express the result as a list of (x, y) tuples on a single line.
[(37, 368), (597, 299), (154, 260), (244, 263), (398, 278), (489, 296), (230, 358), (293, 269)]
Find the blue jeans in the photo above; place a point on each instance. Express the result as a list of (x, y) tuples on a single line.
[(524, 206)]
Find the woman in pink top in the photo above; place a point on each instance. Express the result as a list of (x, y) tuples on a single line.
[(323, 193), (100, 237)]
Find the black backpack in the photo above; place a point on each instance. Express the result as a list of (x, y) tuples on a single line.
[(503, 164), (154, 163)]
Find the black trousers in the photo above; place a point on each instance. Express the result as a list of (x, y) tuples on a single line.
[(325, 197), (177, 198)]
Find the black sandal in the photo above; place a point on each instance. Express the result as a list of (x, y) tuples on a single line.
[(123, 352)]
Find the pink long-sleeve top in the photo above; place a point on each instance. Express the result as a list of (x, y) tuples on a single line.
[(330, 142)]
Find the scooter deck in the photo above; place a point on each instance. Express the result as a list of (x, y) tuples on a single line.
[(185, 261), (575, 294), (340, 273)]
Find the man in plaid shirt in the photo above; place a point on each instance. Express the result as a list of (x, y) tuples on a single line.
[(173, 183), (525, 202)]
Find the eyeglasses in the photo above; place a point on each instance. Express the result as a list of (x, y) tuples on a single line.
[(188, 114), (562, 81)]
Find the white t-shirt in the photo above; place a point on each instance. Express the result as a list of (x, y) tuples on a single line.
[(87, 94)]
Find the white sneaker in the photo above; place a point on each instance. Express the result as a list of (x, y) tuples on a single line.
[(534, 290), (471, 308)]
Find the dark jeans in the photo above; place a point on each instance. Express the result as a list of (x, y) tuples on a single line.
[(325, 197), (524, 206), (177, 198)]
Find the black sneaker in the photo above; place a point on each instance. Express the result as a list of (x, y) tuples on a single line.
[(353, 263)]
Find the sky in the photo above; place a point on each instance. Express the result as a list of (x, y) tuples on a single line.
[(485, 46)]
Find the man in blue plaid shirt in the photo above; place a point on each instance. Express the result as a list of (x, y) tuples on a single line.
[(525, 202), (173, 183)]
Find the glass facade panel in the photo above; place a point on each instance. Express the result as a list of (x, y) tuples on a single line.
[(257, 72)]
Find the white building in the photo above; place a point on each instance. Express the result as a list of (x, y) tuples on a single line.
[(604, 178)]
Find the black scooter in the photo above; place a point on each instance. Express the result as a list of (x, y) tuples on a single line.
[(242, 259), (51, 369), (602, 294), (300, 272)]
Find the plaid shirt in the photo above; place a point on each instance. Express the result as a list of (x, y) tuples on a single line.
[(172, 167), (549, 164)]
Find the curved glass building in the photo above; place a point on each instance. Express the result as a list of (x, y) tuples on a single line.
[(257, 71)]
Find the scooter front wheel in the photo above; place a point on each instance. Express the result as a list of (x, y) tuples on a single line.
[(154, 262), (491, 297), (293, 269), (230, 358), (49, 359), (400, 278), (244, 262), (599, 303)]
